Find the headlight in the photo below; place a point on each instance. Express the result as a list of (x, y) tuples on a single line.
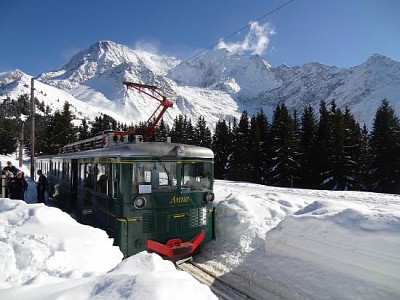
[(139, 202), (210, 197)]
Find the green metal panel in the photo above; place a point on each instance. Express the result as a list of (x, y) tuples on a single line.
[(121, 236)]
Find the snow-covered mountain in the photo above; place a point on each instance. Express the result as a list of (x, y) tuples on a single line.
[(217, 84), (16, 83)]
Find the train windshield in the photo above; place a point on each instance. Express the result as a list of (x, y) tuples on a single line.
[(195, 176), (152, 177)]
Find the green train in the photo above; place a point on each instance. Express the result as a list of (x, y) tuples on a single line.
[(154, 196)]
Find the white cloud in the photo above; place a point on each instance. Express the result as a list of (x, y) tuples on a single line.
[(148, 45), (256, 41)]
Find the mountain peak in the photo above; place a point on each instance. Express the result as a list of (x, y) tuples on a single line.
[(221, 79), (378, 59), (216, 67)]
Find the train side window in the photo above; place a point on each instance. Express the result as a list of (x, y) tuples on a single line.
[(68, 171), (81, 174), (135, 178), (60, 169), (89, 176), (115, 175), (102, 179), (64, 169), (144, 173)]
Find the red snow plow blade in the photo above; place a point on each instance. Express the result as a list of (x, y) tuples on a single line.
[(176, 247)]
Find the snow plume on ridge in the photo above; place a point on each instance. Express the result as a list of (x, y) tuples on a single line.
[(150, 46), (256, 41)]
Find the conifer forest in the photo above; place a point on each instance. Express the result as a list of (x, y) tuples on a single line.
[(327, 149)]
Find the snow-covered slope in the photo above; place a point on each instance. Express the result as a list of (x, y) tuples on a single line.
[(96, 76), (253, 83), (219, 69), (16, 83), (216, 84)]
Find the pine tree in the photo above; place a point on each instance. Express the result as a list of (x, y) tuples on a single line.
[(307, 148), (189, 132), (365, 158), (222, 147), (83, 130), (352, 148), (177, 131), (323, 146), (202, 134), (385, 149), (333, 178), (162, 131), (8, 136), (102, 123), (284, 164), (343, 152), (239, 162), (182, 130), (262, 133), (60, 130), (259, 133), (42, 123), (296, 150)]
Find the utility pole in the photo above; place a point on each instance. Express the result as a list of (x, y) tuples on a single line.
[(21, 143), (32, 130)]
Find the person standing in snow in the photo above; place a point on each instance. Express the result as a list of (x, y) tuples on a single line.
[(11, 168), (9, 171), (41, 187), (17, 186)]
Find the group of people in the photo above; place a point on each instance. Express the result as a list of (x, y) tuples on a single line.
[(16, 185)]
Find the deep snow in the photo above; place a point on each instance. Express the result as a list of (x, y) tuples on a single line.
[(306, 244)]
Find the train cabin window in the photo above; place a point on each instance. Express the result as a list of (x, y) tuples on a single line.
[(154, 177), (196, 176)]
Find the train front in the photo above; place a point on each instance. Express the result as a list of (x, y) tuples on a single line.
[(167, 201)]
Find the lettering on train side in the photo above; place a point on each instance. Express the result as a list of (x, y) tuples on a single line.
[(180, 199)]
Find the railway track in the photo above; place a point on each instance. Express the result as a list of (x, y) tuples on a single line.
[(240, 284), (222, 289)]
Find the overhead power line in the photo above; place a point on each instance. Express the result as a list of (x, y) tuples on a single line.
[(215, 44), (240, 29)]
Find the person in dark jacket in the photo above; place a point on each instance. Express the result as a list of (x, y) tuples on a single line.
[(17, 186), (41, 187), (6, 176), (11, 168)]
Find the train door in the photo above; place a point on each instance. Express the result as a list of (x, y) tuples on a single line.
[(74, 184), (113, 191)]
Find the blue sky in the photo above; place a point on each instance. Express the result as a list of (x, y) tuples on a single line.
[(42, 35)]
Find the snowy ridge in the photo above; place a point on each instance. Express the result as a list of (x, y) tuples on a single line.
[(19, 83), (215, 69), (216, 84)]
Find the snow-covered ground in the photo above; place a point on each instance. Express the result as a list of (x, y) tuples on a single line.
[(307, 244)]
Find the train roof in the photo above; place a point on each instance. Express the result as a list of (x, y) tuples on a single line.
[(146, 149)]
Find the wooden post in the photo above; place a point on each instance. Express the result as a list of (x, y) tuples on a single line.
[(32, 129), (21, 143)]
